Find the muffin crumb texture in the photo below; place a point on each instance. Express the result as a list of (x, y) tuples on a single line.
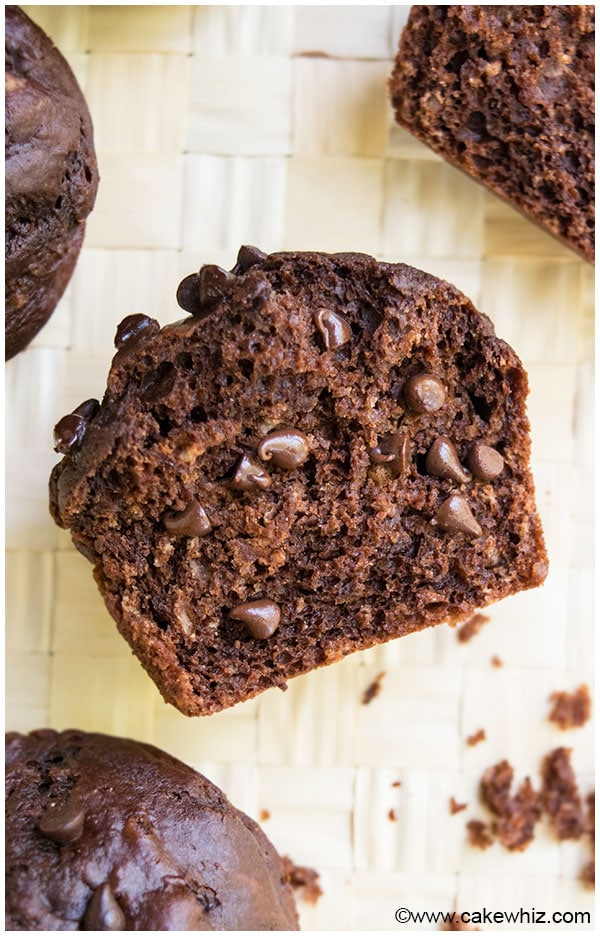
[(328, 453)]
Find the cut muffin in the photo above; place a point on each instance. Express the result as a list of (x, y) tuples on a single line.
[(330, 452)]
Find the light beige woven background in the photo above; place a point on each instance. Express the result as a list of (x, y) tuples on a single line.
[(217, 126)]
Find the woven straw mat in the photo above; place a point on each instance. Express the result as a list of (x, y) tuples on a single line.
[(217, 126)]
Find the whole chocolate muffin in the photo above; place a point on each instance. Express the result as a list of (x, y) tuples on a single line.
[(108, 834), (329, 453), (507, 94), (50, 174)]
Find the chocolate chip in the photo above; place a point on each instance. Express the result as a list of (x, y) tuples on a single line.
[(159, 383), (443, 462), (392, 450), (69, 433), (132, 327), (62, 824), (455, 516), (485, 462), (103, 912), (424, 393), (192, 521), (87, 410), (188, 296), (334, 328), (249, 475), (255, 290), (288, 448), (213, 282), (248, 257), (261, 618)]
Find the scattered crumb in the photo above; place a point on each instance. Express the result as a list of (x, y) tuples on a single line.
[(304, 880), (471, 627), (478, 834), (560, 795), (373, 689), (496, 661), (457, 926), (518, 814), (571, 709), (476, 738), (588, 875), (455, 806), (264, 814), (397, 783), (392, 815)]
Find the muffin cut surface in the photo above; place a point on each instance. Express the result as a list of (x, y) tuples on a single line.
[(330, 452), (506, 93)]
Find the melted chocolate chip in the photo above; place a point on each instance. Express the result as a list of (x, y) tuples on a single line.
[(69, 433), (455, 516), (88, 409), (132, 327), (62, 824), (159, 383), (392, 450), (248, 257), (485, 462), (255, 290), (288, 448), (334, 328), (443, 462), (192, 521), (261, 618), (250, 475), (103, 912), (424, 393)]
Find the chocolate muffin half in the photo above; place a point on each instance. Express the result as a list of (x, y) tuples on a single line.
[(108, 834), (51, 177), (330, 452), (506, 93)]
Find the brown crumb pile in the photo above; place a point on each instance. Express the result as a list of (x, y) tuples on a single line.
[(560, 795), (392, 815), (516, 815), (496, 661), (479, 835), (471, 627), (476, 738), (373, 689), (457, 926), (588, 874), (304, 880), (455, 806), (571, 709)]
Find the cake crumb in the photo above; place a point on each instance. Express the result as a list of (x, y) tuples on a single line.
[(304, 880), (560, 795), (516, 815), (496, 661), (455, 806), (264, 814), (373, 689), (478, 834), (571, 709), (392, 815), (397, 783), (476, 738), (457, 926), (471, 627)]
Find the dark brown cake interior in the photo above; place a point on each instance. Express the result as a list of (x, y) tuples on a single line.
[(507, 94), (350, 548)]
